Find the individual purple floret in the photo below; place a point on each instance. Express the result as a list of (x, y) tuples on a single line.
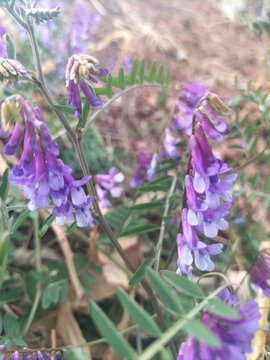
[(41, 176), (169, 148), (188, 99), (235, 336), (80, 69), (189, 243), (107, 183), (10, 70), (260, 274)]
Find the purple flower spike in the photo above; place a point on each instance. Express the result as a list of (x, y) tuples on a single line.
[(260, 274), (235, 336)]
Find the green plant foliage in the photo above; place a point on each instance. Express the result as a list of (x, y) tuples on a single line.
[(199, 331), (183, 284), (163, 291), (138, 314), (110, 333)]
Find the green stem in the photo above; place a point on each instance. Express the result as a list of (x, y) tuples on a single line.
[(38, 267), (163, 224)]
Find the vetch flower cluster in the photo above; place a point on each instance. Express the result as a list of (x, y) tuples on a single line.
[(41, 176), (107, 184), (80, 70), (208, 197), (235, 335)]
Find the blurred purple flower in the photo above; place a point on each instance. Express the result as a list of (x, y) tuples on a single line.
[(188, 99), (235, 336), (146, 168), (169, 148), (260, 274), (107, 183), (3, 45)]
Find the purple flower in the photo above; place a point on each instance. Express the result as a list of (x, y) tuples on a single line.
[(141, 171), (260, 274), (169, 148), (188, 243), (188, 99), (106, 183), (40, 174), (235, 336), (151, 172), (3, 45), (79, 69)]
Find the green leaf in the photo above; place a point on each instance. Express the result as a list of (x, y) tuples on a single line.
[(45, 226), (101, 91), (11, 325), (156, 187), (164, 292), (11, 48), (133, 72), (109, 86), (151, 76), (143, 229), (148, 205), (160, 75), (218, 307), (4, 186), (85, 112), (141, 71), (167, 76), (1, 325), (121, 79), (71, 229), (63, 108), (11, 295), (75, 353), (116, 217), (6, 341), (140, 272), (89, 277), (255, 180), (267, 184), (107, 329), (19, 341), (138, 314), (183, 284), (167, 218), (201, 332), (19, 220), (4, 239)]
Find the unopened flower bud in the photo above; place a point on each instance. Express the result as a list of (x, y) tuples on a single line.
[(220, 107), (40, 16), (10, 70), (10, 114)]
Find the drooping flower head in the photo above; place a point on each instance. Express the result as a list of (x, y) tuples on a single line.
[(10, 70), (82, 69), (235, 335), (42, 177), (107, 183)]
